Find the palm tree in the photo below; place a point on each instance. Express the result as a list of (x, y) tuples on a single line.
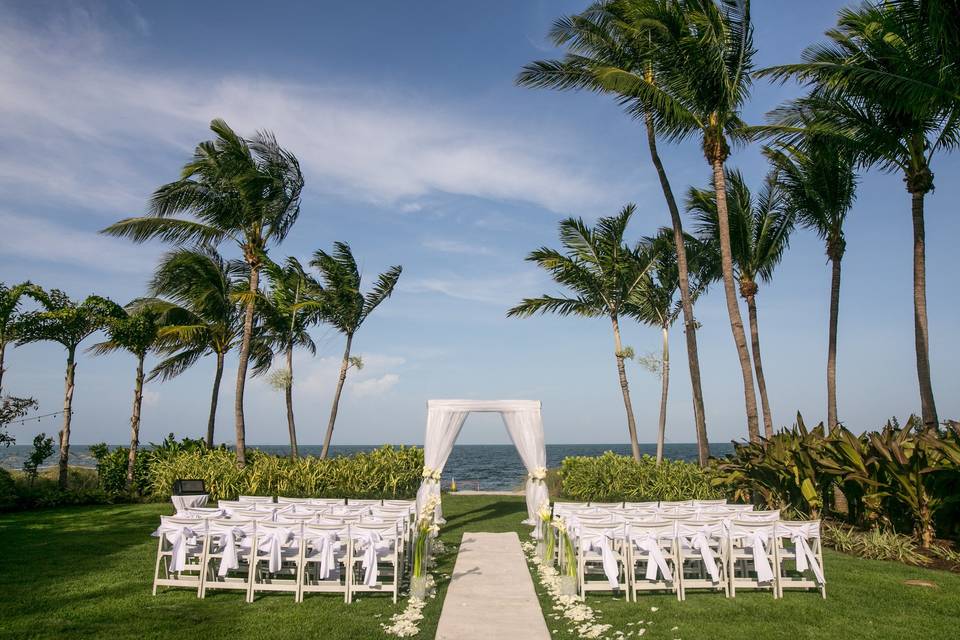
[(344, 306), (656, 302), (195, 291), (609, 53), (286, 323), (247, 191), (10, 298), (137, 330), (68, 322), (887, 84), (819, 186), (604, 275), (759, 234)]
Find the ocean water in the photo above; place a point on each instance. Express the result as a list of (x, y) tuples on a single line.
[(487, 467)]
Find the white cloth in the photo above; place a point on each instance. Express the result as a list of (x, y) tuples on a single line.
[(800, 533), (182, 538), (656, 561), (326, 545), (183, 503), (230, 537), (761, 563), (603, 544), (699, 542), (274, 542), (522, 419)]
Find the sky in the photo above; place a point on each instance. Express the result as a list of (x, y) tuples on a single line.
[(418, 149)]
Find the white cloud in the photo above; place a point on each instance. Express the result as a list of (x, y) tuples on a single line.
[(41, 240), (151, 398), (444, 245), (505, 290), (98, 144), (375, 386)]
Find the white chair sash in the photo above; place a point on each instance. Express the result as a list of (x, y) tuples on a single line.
[(701, 543), (656, 561), (326, 545), (761, 562), (603, 544), (368, 542), (272, 544), (806, 558), (180, 537), (229, 538)]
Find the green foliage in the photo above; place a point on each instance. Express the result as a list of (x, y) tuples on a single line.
[(611, 477), (386, 472), (23, 492), (8, 490), (112, 465), (11, 409), (875, 544), (66, 321), (42, 449)]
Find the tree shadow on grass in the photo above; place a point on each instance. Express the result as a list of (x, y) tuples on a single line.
[(498, 510)]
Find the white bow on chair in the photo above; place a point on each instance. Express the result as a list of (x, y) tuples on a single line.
[(655, 558), (700, 542), (610, 568), (806, 558), (760, 560), (180, 538), (273, 545), (230, 559), (326, 545), (370, 539)]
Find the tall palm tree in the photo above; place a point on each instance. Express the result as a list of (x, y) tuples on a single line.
[(608, 52), (10, 298), (195, 291), (344, 306), (759, 231), (819, 184), (286, 322), (247, 191), (603, 275), (655, 303), (887, 84), (68, 322), (137, 330), (701, 60)]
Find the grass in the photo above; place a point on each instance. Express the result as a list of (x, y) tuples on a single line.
[(84, 572)]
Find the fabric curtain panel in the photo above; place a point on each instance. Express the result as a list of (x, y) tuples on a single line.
[(522, 419)]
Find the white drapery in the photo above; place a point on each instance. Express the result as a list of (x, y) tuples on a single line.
[(522, 419)]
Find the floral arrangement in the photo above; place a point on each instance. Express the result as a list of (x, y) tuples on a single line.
[(539, 474), (426, 528), (569, 555), (431, 474), (547, 531)]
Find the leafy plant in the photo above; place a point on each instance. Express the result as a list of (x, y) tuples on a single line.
[(611, 477), (42, 449)]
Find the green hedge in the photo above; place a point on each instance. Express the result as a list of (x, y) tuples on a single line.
[(386, 472), (613, 478)]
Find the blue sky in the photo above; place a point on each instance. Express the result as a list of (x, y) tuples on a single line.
[(418, 149)]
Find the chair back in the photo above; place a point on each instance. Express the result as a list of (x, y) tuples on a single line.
[(709, 503), (363, 502), (327, 502), (676, 503), (203, 512), (641, 505), (607, 505), (657, 530), (296, 518), (809, 529), (282, 500), (759, 516), (256, 499)]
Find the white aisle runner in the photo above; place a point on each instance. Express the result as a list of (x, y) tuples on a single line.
[(491, 595)]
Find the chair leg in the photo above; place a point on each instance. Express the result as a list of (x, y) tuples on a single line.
[(156, 569)]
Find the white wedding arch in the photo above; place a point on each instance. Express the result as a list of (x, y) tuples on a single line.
[(522, 419)]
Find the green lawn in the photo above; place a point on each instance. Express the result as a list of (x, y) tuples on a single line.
[(86, 572)]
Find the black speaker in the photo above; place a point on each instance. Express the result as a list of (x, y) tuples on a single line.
[(188, 487)]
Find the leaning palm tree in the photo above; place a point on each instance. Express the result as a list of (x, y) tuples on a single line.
[(247, 191), (701, 59), (286, 322), (345, 307), (604, 275), (68, 322), (137, 330), (656, 302), (608, 52), (887, 84), (818, 182), (10, 298), (759, 234), (195, 291)]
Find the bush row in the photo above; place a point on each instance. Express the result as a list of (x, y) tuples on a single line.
[(614, 478), (18, 491), (900, 478)]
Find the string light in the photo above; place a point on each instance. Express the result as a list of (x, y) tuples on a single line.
[(38, 418)]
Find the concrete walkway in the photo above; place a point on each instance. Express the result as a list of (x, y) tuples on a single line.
[(491, 594)]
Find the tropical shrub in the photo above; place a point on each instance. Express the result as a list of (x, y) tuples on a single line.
[(8, 491), (112, 464), (387, 472), (875, 544), (612, 478)]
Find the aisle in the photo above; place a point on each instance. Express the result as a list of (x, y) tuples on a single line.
[(491, 595)]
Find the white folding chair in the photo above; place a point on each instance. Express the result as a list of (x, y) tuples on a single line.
[(709, 503), (293, 517), (282, 500), (702, 556), (740, 508), (800, 543), (327, 502), (228, 547), (324, 550), (353, 502), (646, 506), (759, 516), (256, 499), (275, 561), (180, 543), (652, 557), (373, 545), (751, 554), (202, 512), (676, 503), (607, 505), (601, 549)]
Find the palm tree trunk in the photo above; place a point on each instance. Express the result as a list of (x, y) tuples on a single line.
[(689, 323), (927, 405), (135, 423), (242, 364), (625, 389), (665, 385), (832, 344), (758, 366), (733, 309), (67, 414), (336, 397), (3, 351), (214, 398), (288, 392)]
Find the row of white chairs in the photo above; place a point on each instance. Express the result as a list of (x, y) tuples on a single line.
[(722, 550), (262, 548)]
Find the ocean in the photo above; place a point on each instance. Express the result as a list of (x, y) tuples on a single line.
[(487, 467)]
